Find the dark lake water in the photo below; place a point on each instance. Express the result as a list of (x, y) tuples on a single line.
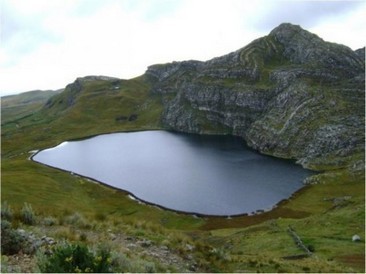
[(212, 175)]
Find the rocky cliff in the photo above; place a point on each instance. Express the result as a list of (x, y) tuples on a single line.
[(289, 94)]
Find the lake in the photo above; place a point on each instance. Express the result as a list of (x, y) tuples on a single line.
[(201, 174)]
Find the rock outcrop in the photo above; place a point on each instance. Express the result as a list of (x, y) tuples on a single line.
[(289, 94), (72, 91)]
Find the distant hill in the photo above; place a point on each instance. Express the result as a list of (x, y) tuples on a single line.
[(23, 104)]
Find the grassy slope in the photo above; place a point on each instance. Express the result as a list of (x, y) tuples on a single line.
[(246, 243), (52, 191), (15, 107)]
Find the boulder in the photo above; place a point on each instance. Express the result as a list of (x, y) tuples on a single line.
[(356, 238)]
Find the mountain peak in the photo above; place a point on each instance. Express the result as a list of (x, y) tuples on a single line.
[(288, 27), (286, 33), (303, 47)]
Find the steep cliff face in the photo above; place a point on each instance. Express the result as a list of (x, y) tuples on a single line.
[(288, 94)]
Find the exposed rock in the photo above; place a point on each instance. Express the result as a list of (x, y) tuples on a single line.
[(289, 94), (361, 52), (356, 238), (131, 246), (189, 247), (164, 247), (144, 243), (162, 72), (48, 240), (303, 47), (22, 232)]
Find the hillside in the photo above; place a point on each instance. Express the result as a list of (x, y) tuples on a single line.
[(289, 94), (20, 105)]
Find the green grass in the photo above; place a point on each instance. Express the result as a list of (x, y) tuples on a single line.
[(330, 234), (247, 243), (52, 192), (15, 107)]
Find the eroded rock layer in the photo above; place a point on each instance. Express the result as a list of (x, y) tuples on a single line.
[(289, 94)]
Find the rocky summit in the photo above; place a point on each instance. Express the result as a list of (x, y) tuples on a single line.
[(289, 94)]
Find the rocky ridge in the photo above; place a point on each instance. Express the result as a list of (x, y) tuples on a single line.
[(289, 94)]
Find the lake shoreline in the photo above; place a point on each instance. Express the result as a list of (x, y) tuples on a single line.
[(193, 214), (130, 194)]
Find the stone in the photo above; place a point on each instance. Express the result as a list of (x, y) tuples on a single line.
[(131, 246), (21, 231), (193, 267), (189, 247), (48, 240), (145, 243), (164, 247), (356, 238)]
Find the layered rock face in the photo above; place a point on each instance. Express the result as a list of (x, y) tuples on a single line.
[(289, 94)]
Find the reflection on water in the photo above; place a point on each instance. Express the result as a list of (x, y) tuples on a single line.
[(213, 175)]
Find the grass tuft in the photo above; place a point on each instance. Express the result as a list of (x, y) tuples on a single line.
[(27, 215)]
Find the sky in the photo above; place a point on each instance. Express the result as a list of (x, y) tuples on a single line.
[(48, 44)]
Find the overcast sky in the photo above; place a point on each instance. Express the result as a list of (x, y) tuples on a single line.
[(47, 44)]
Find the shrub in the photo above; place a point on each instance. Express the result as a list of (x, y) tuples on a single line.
[(121, 263), (142, 266), (100, 216), (49, 221), (6, 212), (150, 267), (11, 240), (78, 220), (14, 241), (83, 237), (76, 258), (66, 233), (201, 246), (27, 215), (219, 254)]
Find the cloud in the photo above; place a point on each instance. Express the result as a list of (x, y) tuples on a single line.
[(22, 30), (349, 29), (306, 13), (48, 44)]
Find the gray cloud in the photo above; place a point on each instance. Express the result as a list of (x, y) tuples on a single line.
[(305, 13), (9, 23), (49, 43), (21, 34), (88, 7)]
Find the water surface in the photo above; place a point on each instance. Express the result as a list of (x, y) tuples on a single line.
[(212, 175)]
